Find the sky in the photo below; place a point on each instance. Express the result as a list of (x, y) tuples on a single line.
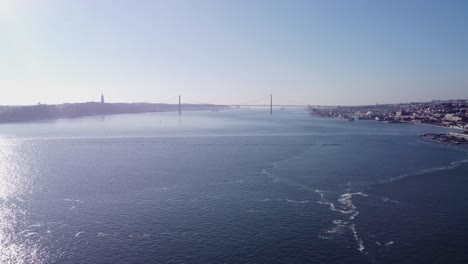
[(233, 52)]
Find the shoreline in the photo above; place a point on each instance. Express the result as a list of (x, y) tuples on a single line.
[(401, 122), (424, 124), (36, 113)]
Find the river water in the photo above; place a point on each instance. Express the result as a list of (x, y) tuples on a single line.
[(236, 186)]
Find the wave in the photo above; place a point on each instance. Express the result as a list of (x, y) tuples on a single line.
[(80, 234), (27, 233)]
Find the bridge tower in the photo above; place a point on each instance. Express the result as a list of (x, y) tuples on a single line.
[(271, 104), (180, 106)]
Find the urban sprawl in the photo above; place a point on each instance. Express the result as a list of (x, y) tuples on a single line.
[(450, 113)]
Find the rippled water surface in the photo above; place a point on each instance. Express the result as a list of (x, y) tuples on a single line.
[(236, 186)]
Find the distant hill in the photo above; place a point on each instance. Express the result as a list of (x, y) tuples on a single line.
[(10, 114)]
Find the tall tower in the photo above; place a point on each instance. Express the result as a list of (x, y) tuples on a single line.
[(102, 98), (271, 104), (180, 105)]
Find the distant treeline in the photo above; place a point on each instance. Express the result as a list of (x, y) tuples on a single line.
[(44, 112)]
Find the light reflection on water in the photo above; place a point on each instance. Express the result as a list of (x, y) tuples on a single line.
[(134, 188), (17, 243)]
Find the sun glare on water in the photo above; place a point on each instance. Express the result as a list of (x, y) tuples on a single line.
[(16, 244)]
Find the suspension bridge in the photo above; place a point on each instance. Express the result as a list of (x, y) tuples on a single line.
[(261, 102)]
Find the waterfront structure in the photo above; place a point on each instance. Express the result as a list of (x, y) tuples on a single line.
[(102, 98)]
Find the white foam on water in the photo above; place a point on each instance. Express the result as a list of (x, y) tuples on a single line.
[(269, 174), (330, 205), (29, 234), (452, 165), (345, 200), (389, 243), (25, 231), (345, 204), (339, 228), (346, 207), (80, 234), (359, 241)]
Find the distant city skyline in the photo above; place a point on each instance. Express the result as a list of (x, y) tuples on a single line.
[(230, 52)]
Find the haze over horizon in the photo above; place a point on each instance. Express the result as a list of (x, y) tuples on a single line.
[(231, 52)]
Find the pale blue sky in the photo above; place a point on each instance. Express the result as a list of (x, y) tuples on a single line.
[(311, 52)]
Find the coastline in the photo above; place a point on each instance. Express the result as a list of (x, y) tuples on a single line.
[(33, 113), (425, 124)]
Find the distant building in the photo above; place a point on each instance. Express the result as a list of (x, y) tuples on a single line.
[(102, 98), (400, 113), (452, 117)]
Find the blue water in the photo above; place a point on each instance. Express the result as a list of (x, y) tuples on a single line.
[(236, 186)]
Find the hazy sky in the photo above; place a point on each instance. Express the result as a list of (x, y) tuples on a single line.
[(314, 52)]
